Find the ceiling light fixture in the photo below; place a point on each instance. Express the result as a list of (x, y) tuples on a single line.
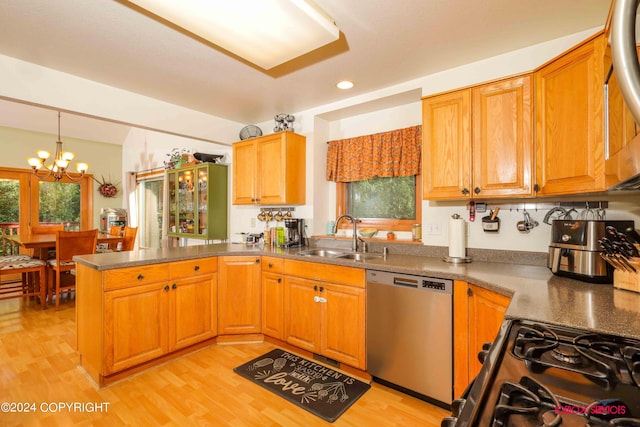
[(264, 32), (345, 84), (61, 160)]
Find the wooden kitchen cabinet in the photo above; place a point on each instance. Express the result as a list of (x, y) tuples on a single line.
[(502, 144), (194, 301), (197, 202), (239, 295), (486, 314), (273, 297), (136, 322), (270, 170), (478, 142), (622, 127), (569, 104), (325, 310), (130, 316), (446, 154), (478, 315)]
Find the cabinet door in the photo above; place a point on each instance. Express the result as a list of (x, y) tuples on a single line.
[(192, 310), (273, 305), (302, 313), (343, 324), (244, 173), (622, 127), (569, 131), (446, 140), (135, 325), (502, 138), (486, 313), (239, 295), (271, 170)]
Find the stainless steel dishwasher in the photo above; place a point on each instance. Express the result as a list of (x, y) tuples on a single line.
[(409, 333)]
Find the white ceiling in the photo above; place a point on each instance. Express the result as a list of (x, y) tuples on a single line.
[(382, 43)]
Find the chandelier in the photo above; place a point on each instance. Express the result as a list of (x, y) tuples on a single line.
[(58, 169)]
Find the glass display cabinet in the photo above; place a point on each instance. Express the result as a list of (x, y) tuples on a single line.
[(198, 202)]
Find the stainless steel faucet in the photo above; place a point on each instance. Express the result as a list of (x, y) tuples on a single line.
[(354, 221)]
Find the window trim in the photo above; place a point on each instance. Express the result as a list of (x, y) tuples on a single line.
[(381, 224)]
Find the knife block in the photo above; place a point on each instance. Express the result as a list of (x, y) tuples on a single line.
[(628, 279)]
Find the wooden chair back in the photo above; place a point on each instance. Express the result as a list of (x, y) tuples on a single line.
[(46, 229), (115, 230), (71, 243), (129, 238)]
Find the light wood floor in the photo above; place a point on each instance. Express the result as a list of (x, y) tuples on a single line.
[(38, 365)]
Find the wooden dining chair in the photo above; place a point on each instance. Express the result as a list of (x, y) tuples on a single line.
[(129, 238), (17, 268), (46, 229), (68, 245), (114, 230)]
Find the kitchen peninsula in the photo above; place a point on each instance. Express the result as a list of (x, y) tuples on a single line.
[(127, 296)]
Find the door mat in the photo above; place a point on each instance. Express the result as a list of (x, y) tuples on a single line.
[(314, 387)]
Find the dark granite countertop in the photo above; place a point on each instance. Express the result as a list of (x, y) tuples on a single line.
[(536, 294)]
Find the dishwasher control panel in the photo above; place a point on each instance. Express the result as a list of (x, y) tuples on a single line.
[(432, 284)]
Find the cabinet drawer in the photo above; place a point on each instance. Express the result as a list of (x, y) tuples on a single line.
[(272, 264), (351, 276), (193, 267), (133, 276)]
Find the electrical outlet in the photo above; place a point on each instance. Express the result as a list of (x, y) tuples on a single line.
[(253, 223), (434, 229)]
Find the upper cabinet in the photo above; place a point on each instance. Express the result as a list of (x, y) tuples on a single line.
[(621, 126), (270, 170), (569, 121), (478, 142), (198, 201)]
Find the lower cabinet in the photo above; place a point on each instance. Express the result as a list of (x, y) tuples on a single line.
[(486, 314), (324, 317), (478, 314), (129, 316), (239, 295), (273, 297)]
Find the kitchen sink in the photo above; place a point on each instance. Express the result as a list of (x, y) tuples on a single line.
[(323, 252), (359, 256)]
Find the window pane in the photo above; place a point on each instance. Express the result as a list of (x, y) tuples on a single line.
[(9, 201), (383, 198), (60, 203)]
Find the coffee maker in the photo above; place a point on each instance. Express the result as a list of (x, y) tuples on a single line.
[(575, 252), (295, 235)]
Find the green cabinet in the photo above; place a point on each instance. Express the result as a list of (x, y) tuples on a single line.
[(198, 202)]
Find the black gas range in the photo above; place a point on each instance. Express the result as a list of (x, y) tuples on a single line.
[(545, 375)]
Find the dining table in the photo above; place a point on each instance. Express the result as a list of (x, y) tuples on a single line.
[(41, 243)]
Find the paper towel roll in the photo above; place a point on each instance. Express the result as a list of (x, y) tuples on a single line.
[(457, 238)]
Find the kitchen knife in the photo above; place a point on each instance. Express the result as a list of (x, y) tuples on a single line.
[(632, 235), (612, 254)]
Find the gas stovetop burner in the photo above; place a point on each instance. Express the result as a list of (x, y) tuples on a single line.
[(605, 360), (530, 403), (567, 355)]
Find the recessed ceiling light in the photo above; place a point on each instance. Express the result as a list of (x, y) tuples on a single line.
[(345, 84)]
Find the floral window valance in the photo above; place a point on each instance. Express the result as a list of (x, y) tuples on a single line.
[(385, 154)]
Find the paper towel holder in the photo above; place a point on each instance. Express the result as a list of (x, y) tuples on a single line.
[(456, 260)]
